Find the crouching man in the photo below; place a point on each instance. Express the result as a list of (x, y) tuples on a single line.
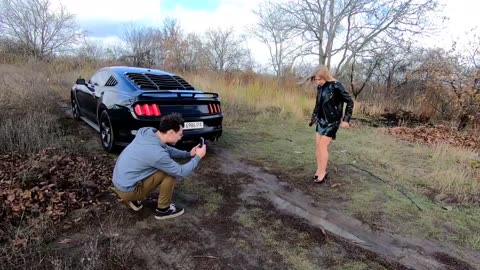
[(147, 163)]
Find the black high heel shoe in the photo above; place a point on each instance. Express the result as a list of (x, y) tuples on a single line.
[(323, 180)]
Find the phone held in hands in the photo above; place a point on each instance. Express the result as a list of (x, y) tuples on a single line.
[(202, 141)]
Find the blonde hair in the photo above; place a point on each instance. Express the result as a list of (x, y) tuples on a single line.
[(323, 72)]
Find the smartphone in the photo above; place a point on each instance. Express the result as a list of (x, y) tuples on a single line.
[(202, 141)]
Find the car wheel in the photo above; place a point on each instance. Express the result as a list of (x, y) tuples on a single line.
[(107, 134), (75, 109)]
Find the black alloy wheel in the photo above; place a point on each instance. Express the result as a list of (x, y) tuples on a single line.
[(107, 135), (75, 109)]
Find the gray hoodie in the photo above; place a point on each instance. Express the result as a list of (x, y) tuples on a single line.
[(144, 156)]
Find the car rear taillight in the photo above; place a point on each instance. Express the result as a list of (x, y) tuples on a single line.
[(147, 110), (214, 108)]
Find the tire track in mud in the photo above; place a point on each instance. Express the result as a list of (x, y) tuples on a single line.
[(406, 252), (397, 250)]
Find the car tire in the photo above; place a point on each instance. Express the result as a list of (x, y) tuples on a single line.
[(75, 110), (107, 133)]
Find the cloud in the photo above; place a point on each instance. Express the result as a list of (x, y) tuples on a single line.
[(460, 16), (108, 41), (208, 5), (229, 13), (100, 28), (146, 11)]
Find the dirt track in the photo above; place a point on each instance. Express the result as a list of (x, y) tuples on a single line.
[(395, 249), (241, 216)]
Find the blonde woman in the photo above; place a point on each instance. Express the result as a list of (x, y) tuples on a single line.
[(328, 116)]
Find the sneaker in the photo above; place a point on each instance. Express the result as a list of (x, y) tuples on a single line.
[(135, 205), (171, 212)]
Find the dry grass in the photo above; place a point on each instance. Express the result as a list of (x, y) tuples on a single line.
[(30, 133), (368, 109), (452, 172), (31, 95), (258, 94), (442, 168), (98, 245), (28, 119)]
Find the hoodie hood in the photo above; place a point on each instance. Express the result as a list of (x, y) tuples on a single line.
[(147, 136)]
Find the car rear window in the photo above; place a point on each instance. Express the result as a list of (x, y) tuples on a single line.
[(147, 81)]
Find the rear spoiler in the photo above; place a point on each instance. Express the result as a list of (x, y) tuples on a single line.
[(186, 94)]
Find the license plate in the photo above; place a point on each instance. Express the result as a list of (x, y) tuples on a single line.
[(193, 125)]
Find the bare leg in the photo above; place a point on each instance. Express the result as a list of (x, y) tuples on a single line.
[(322, 154), (317, 152)]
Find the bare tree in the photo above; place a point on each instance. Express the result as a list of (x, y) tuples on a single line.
[(37, 29), (276, 32), (249, 62), (140, 45), (91, 50), (303, 69), (474, 48), (395, 58), (185, 53), (344, 28), (224, 51), (115, 52), (361, 73), (178, 52), (474, 55), (166, 47)]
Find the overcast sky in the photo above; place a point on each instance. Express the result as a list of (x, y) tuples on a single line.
[(105, 19)]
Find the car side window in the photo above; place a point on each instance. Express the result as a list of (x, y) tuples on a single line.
[(94, 79), (100, 78)]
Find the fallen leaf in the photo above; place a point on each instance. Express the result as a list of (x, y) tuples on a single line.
[(65, 241), (11, 197), (448, 208), (20, 242)]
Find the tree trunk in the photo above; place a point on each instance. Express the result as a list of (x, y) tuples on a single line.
[(463, 121)]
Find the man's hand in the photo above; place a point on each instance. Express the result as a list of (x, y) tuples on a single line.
[(344, 124), (193, 152), (201, 151)]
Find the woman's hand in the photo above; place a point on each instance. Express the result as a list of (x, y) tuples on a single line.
[(344, 124)]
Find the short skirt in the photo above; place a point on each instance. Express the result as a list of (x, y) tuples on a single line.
[(327, 129)]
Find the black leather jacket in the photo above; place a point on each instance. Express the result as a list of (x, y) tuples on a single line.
[(334, 95)]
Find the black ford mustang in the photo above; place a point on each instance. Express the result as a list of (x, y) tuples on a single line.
[(117, 101)]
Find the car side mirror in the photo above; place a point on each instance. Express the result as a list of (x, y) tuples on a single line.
[(81, 81)]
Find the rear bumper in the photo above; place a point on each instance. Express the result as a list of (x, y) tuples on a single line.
[(127, 126)]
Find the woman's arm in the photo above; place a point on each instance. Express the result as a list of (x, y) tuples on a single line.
[(345, 96), (315, 111)]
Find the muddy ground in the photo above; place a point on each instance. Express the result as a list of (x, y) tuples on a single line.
[(239, 215)]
